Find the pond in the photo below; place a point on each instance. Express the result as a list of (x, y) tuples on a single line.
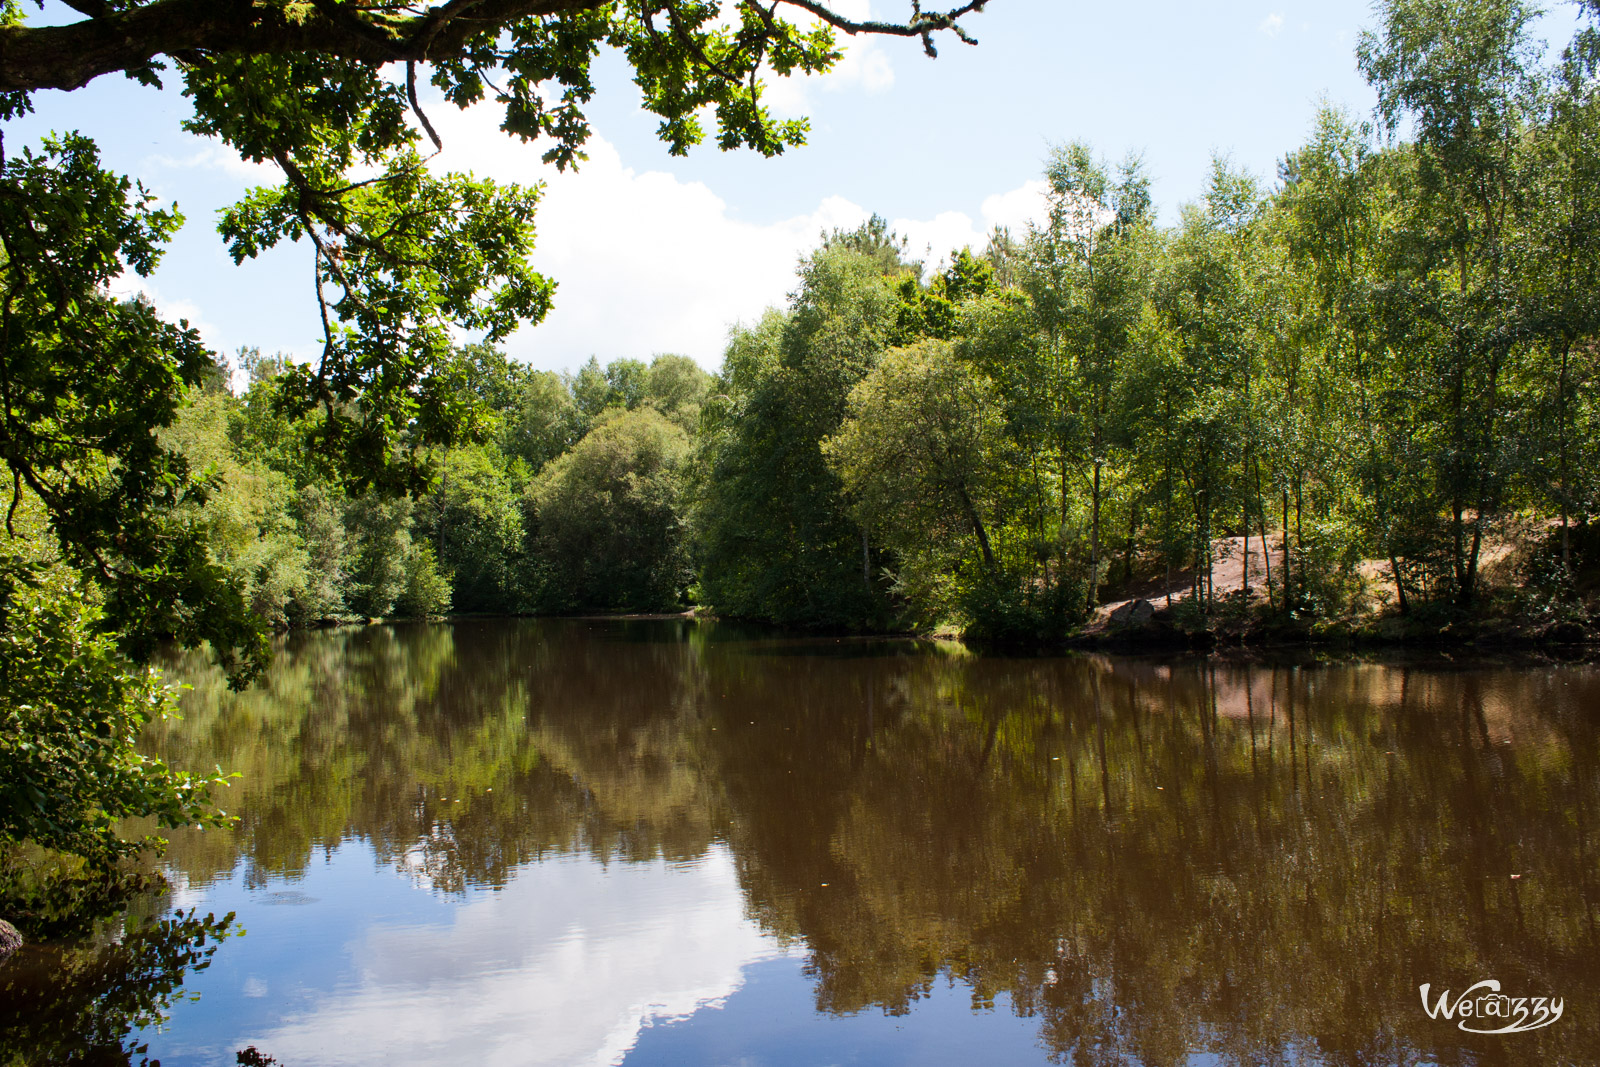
[(670, 842)]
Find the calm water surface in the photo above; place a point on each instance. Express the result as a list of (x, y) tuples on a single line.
[(675, 843)]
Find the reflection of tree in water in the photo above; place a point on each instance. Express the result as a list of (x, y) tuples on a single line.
[(459, 752), (1148, 858), (1155, 860), (77, 1005)]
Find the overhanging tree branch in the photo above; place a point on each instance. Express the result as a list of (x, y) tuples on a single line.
[(923, 24), (67, 57), (108, 41)]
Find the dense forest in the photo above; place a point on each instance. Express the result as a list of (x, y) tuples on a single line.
[(1381, 368), (573, 498)]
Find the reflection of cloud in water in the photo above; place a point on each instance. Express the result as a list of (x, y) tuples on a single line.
[(563, 966), (181, 894)]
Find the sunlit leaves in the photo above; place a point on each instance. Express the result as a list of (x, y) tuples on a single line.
[(72, 710), (84, 441)]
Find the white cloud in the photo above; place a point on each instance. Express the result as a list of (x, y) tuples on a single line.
[(212, 155), (1272, 25), (564, 966), (865, 65), (645, 263), (648, 263), (932, 240), (1016, 209)]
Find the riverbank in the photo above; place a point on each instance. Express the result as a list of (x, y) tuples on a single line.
[(1159, 614), (1144, 627)]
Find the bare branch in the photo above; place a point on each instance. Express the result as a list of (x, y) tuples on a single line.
[(93, 8), (411, 94), (923, 23)]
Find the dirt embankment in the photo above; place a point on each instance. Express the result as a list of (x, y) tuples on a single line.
[(1228, 574), (1151, 613)]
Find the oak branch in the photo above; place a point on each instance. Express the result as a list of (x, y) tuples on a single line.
[(129, 35)]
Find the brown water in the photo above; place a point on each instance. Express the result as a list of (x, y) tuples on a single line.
[(674, 843)]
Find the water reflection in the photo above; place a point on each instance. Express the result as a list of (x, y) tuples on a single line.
[(566, 966), (1148, 861), (78, 1004)]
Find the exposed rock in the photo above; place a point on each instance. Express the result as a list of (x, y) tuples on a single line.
[(1133, 615), (10, 940)]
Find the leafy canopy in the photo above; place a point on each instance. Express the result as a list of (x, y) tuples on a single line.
[(405, 259)]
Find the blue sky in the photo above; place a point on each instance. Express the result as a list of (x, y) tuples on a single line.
[(657, 254)]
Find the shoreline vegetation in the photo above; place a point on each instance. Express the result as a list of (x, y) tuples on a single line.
[(1163, 631), (1357, 405)]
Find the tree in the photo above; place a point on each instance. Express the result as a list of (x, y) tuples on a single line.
[(775, 534), (1331, 216), (1194, 379), (921, 453), (677, 387), (72, 708), (1562, 282), (473, 525), (1463, 75), (608, 518), (1087, 276), (544, 420), (84, 442), (403, 259)]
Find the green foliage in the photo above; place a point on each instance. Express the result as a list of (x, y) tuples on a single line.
[(926, 463), (102, 991), (403, 257), (216, 524), (305, 548), (919, 452), (319, 520), (678, 388), (998, 610), (245, 523), (426, 592), (472, 523), (776, 540), (86, 442), (673, 385), (72, 711), (608, 518), (1463, 76), (379, 533), (544, 421), (1391, 357)]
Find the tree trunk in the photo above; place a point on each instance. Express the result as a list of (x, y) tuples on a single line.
[(977, 528), (1127, 550), (1287, 571), (1399, 582), (1094, 539), (1266, 547), (1561, 434)]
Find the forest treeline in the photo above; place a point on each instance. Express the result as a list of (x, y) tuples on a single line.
[(1386, 355), (574, 498)]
